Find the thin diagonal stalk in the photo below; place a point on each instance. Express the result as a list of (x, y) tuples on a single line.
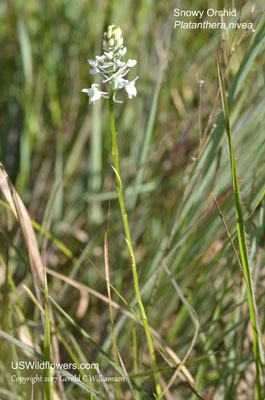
[(241, 234), (128, 239)]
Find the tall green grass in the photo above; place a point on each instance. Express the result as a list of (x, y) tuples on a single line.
[(241, 234)]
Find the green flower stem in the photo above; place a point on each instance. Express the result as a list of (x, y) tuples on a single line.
[(129, 241)]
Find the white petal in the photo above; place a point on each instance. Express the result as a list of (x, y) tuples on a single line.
[(120, 64), (94, 96), (101, 58), (94, 71), (131, 89), (123, 51), (109, 55), (131, 63), (93, 63)]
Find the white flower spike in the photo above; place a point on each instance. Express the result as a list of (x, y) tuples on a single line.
[(111, 67)]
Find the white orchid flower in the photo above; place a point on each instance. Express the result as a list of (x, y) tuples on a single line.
[(93, 93), (131, 89)]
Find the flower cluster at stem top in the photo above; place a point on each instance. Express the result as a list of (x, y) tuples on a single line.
[(111, 67)]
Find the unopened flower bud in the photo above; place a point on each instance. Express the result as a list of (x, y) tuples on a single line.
[(112, 38)]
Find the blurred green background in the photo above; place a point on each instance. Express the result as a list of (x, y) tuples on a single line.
[(57, 151)]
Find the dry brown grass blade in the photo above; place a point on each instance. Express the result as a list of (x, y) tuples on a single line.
[(37, 269), (22, 216), (127, 376), (180, 375), (82, 287)]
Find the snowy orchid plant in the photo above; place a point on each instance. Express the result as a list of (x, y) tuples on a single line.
[(111, 67)]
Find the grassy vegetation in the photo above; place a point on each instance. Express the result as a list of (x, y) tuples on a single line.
[(197, 232)]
